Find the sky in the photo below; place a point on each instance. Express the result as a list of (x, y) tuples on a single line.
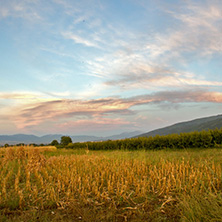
[(103, 67)]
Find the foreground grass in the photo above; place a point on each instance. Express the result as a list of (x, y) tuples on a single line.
[(82, 185)]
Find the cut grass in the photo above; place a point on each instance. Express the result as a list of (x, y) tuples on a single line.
[(82, 185)]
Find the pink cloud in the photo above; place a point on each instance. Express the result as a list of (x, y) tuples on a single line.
[(102, 112), (96, 124)]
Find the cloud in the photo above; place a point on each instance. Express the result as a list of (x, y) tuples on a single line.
[(25, 9), (148, 76), (21, 96), (201, 15), (149, 62), (4, 12), (80, 40), (199, 31), (195, 96), (131, 59), (98, 124), (98, 111)]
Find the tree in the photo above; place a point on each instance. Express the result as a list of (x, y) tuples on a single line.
[(6, 145), (54, 143), (65, 140)]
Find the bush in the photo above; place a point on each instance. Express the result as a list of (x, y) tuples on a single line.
[(54, 143)]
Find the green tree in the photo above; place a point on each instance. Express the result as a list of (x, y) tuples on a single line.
[(6, 145), (54, 143), (65, 140)]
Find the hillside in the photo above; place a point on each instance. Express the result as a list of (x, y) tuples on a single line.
[(206, 123), (28, 139)]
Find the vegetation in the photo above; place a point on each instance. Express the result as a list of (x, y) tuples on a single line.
[(203, 139), (54, 143), (40, 184), (65, 140)]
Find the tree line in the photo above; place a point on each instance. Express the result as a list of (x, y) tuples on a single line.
[(65, 140), (202, 139)]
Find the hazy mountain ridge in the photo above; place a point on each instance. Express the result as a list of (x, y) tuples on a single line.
[(46, 139), (199, 124)]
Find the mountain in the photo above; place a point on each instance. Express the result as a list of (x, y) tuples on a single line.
[(206, 123), (27, 139), (46, 139), (123, 135)]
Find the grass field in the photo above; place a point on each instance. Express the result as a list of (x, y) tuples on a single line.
[(46, 184)]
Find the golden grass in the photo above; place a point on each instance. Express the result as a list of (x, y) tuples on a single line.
[(120, 185), (28, 147), (13, 149)]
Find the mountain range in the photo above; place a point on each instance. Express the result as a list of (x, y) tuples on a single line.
[(200, 124), (206, 123), (46, 139)]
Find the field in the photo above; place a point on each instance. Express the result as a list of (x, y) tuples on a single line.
[(46, 184)]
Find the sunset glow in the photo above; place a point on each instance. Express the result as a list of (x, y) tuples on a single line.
[(107, 67)]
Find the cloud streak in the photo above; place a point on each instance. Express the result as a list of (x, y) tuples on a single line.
[(27, 10), (137, 76), (79, 40), (99, 111), (199, 31)]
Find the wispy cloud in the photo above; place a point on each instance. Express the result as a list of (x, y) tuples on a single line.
[(25, 96), (99, 111), (98, 124), (4, 12), (150, 76), (79, 39), (149, 61), (199, 30), (133, 60), (24, 9)]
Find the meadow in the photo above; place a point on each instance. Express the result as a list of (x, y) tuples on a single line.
[(49, 184)]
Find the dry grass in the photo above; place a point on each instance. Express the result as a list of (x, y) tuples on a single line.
[(97, 187)]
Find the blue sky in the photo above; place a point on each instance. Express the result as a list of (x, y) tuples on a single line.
[(105, 67)]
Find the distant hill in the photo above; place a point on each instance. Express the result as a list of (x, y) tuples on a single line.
[(46, 139), (206, 123)]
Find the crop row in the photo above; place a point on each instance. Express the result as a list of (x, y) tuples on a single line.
[(203, 139)]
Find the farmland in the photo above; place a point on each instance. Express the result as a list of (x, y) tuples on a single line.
[(39, 184)]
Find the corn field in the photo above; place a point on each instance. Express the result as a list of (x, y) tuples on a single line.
[(122, 188)]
